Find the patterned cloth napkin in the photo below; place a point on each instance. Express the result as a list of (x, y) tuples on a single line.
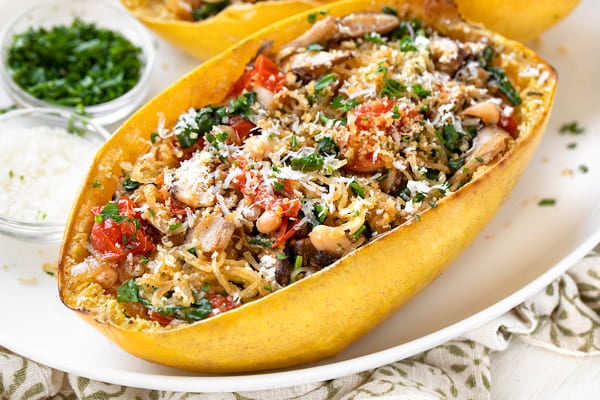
[(565, 317)]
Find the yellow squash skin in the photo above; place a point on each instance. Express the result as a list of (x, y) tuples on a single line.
[(204, 39), (321, 315), (516, 19)]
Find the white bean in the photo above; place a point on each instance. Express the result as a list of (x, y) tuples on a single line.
[(334, 239), (487, 111), (268, 222)]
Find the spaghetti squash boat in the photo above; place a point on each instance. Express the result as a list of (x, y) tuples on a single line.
[(284, 198), (203, 28)]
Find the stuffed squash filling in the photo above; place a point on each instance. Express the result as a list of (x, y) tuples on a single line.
[(356, 127), (184, 10)]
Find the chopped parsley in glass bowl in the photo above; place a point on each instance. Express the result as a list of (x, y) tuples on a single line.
[(45, 154), (90, 56)]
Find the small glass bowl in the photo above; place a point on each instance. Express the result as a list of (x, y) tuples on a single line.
[(105, 15), (14, 122)]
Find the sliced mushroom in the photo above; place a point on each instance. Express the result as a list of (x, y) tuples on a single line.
[(320, 32), (446, 55), (358, 24), (283, 270), (212, 232), (348, 27), (392, 182), (311, 65), (490, 142), (488, 112), (322, 259)]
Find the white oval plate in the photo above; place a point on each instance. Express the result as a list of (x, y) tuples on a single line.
[(523, 249)]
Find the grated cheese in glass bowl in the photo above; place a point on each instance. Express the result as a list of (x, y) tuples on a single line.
[(44, 156)]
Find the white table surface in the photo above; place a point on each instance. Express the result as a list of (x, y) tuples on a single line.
[(520, 372)]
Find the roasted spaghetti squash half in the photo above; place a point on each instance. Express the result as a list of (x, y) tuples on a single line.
[(203, 29), (284, 198)]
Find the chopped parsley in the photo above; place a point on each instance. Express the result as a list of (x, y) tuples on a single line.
[(584, 168), (324, 82), (207, 117), (420, 91), (315, 47), (208, 9), (390, 11), (450, 137), (298, 262), (572, 127), (312, 162), (546, 202), (504, 85), (130, 185), (278, 186), (327, 146), (79, 64), (373, 37), (96, 184), (407, 44), (174, 227), (357, 189), (4, 110), (312, 17), (110, 211), (321, 212), (356, 234), (339, 103)]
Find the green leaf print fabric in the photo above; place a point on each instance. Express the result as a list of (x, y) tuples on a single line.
[(564, 317)]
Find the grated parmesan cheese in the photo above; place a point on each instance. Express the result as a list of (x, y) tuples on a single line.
[(41, 169)]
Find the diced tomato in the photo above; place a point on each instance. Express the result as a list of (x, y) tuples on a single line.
[(265, 74), (369, 114), (284, 234), (241, 127), (221, 302), (509, 123), (368, 163), (160, 318), (116, 239), (366, 123), (284, 203)]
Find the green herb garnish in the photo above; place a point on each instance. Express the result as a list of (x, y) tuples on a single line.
[(339, 103), (321, 212), (80, 64), (373, 37), (208, 9), (327, 146), (547, 202), (357, 189), (420, 91), (278, 186), (128, 292), (298, 262), (312, 162), (572, 127), (4, 110), (504, 85), (315, 47), (130, 185), (324, 82), (356, 234)]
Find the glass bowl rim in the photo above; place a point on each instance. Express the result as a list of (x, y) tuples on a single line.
[(25, 228), (97, 111)]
